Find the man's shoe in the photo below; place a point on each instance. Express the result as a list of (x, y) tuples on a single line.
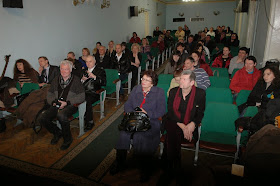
[(56, 138), (66, 144), (88, 126)]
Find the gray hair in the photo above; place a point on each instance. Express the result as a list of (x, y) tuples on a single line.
[(189, 72), (67, 62)]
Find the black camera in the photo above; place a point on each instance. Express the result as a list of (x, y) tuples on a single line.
[(138, 109), (86, 74), (57, 103)]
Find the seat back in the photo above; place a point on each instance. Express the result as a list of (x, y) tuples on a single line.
[(165, 78), (220, 95), (143, 61), (28, 87), (154, 52), (242, 97), (251, 111), (111, 76), (219, 82), (165, 87), (234, 71), (218, 125), (220, 72)]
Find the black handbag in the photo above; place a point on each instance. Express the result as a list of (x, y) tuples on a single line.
[(135, 122)]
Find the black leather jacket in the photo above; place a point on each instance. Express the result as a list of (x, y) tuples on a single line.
[(123, 65), (91, 85)]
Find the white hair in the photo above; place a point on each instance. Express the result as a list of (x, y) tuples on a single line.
[(67, 62)]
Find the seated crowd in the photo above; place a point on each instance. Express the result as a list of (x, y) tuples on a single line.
[(191, 64)]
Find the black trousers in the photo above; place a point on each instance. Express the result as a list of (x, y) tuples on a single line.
[(90, 99), (134, 70), (62, 116)]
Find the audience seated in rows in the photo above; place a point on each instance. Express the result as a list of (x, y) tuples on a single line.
[(266, 88)]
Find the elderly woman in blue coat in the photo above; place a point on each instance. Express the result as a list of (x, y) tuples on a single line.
[(151, 100)]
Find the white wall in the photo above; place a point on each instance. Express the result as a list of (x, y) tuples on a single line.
[(203, 10), (52, 28)]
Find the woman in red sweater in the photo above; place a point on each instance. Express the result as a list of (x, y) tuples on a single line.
[(223, 60)]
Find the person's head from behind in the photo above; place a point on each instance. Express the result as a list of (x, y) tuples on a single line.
[(43, 61), (102, 50), (271, 75), (21, 66), (90, 61), (71, 55), (177, 75), (189, 64), (180, 47), (66, 69), (149, 79), (243, 52), (226, 50), (85, 52), (250, 63), (187, 79), (202, 42), (118, 48)]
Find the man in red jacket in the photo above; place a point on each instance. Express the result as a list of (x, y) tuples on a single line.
[(245, 78)]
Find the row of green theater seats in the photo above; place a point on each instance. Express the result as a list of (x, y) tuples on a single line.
[(220, 114)]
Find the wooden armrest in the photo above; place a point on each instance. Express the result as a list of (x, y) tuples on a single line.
[(100, 90), (240, 129), (116, 81), (77, 104)]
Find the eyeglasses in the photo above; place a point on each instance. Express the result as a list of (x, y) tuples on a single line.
[(143, 79)]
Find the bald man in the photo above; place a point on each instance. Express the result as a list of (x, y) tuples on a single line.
[(94, 77)]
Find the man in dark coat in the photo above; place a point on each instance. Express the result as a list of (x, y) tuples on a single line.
[(65, 93), (103, 60), (94, 77), (46, 71)]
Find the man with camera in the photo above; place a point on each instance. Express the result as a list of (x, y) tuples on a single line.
[(93, 78), (65, 93)]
